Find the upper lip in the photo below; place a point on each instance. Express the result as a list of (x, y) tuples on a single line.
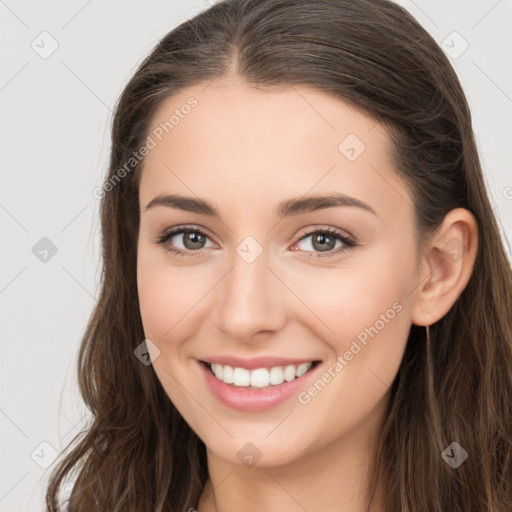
[(256, 362)]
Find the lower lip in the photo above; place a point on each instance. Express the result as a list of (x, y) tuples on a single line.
[(254, 400)]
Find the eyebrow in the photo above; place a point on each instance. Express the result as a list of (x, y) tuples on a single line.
[(287, 208)]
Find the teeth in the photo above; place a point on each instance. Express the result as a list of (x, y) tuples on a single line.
[(289, 373), (261, 377), (302, 369), (241, 377)]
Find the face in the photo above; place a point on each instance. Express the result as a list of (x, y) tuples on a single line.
[(268, 277)]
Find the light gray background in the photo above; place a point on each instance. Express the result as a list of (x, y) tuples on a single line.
[(56, 114)]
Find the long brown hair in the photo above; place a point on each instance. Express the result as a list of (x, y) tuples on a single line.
[(138, 453)]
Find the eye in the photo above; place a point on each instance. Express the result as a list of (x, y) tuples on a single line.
[(324, 241), (192, 238)]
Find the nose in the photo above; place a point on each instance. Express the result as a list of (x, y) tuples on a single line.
[(251, 300)]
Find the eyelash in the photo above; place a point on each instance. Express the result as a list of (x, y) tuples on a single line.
[(348, 242)]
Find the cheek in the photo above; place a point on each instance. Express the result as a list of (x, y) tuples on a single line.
[(155, 299), (165, 295), (348, 300), (166, 301), (363, 313)]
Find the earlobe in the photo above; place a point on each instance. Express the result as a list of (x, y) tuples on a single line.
[(447, 264)]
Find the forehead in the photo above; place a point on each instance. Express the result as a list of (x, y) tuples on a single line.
[(239, 143)]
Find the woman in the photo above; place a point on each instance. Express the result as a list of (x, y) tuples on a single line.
[(305, 301)]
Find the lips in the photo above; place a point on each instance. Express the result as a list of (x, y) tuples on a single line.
[(252, 398)]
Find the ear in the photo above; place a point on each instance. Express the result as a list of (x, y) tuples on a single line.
[(446, 265)]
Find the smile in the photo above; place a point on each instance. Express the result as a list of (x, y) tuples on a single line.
[(260, 388), (260, 377)]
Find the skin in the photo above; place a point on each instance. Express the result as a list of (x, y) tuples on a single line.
[(245, 150)]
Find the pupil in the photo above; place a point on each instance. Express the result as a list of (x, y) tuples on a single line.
[(194, 238), (325, 246)]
